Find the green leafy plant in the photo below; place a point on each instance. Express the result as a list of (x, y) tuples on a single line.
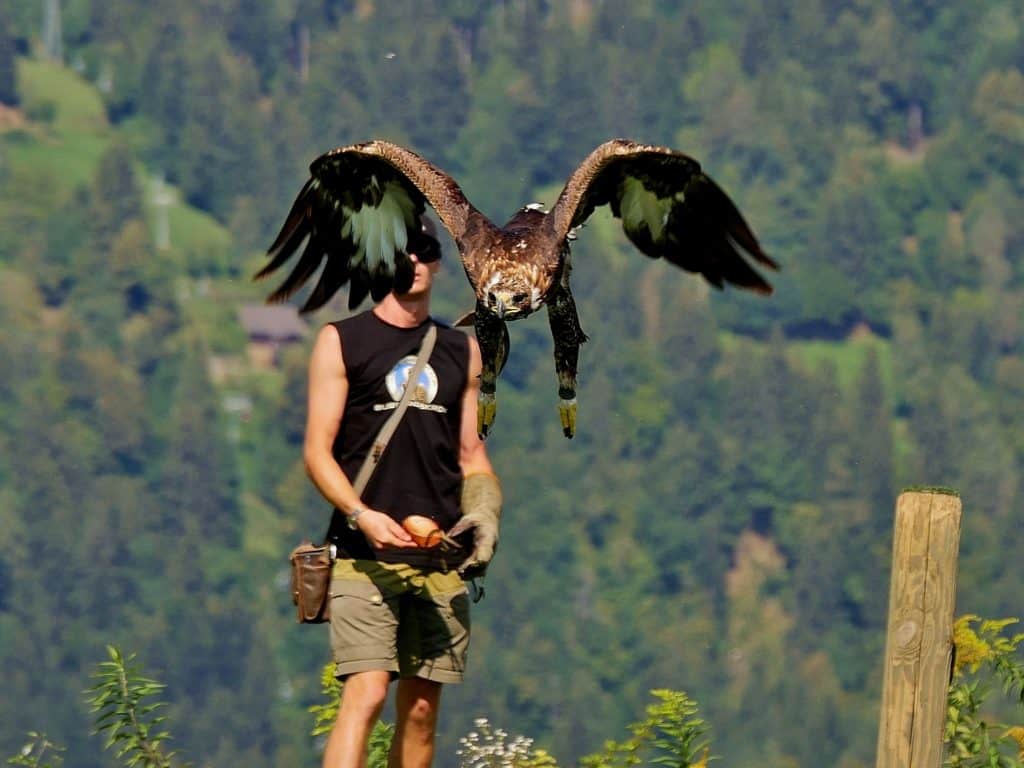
[(325, 714), (983, 652), (671, 735), (35, 752), (380, 744), (125, 712)]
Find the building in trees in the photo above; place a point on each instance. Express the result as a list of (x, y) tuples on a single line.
[(268, 329)]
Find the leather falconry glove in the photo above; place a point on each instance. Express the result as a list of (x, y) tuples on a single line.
[(481, 513)]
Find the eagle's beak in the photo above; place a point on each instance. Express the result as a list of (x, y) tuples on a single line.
[(500, 303)]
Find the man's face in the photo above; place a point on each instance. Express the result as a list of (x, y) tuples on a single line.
[(423, 276)]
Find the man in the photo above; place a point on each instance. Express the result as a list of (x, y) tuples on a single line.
[(398, 611)]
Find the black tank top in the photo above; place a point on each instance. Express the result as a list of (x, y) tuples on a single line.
[(419, 473)]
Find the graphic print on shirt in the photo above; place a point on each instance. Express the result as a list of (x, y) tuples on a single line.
[(424, 393)]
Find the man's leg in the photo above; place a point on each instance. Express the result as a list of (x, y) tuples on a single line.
[(362, 699), (416, 704)]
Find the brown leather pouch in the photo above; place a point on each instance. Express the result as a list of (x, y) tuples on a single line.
[(311, 582)]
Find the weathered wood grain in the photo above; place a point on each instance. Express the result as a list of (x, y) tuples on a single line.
[(919, 635)]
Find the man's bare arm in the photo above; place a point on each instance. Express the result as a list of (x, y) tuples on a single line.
[(328, 391), (481, 491), (472, 450)]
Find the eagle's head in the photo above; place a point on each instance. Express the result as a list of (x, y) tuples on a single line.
[(516, 266), (511, 293)]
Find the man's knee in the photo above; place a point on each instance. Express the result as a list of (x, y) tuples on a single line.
[(365, 692), (419, 703), (422, 713)]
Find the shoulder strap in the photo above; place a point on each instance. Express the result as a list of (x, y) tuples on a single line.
[(381, 441)]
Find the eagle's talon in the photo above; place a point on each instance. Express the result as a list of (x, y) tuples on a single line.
[(486, 410), (567, 412)]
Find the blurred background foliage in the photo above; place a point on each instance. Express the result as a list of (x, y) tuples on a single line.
[(722, 522)]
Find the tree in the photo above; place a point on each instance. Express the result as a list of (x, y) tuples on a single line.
[(116, 196), (858, 232), (205, 640), (504, 123), (164, 99), (998, 105), (224, 151), (870, 440), (8, 70)]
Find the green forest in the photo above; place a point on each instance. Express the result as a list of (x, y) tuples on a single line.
[(722, 522)]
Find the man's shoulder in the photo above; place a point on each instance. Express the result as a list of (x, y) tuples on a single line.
[(365, 325), (359, 318)]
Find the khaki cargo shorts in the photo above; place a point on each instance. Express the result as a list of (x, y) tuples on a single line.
[(398, 618)]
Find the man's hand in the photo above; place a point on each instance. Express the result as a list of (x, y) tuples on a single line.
[(481, 513), (381, 531)]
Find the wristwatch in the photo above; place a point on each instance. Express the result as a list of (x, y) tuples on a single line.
[(353, 516)]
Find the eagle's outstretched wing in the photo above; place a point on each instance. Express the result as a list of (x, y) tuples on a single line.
[(668, 208), (359, 210)]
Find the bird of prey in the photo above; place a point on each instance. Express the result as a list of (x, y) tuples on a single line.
[(363, 205)]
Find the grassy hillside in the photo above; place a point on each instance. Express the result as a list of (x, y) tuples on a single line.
[(66, 129), (59, 136)]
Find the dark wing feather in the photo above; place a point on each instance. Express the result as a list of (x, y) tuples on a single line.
[(404, 273), (306, 267), (331, 279), (380, 283), (296, 228), (359, 290), (669, 209), (358, 209), (694, 231)]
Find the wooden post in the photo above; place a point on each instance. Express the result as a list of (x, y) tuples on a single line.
[(919, 637)]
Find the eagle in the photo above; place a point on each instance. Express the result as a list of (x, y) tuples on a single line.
[(360, 213)]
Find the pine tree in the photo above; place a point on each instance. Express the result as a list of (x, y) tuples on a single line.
[(164, 99)]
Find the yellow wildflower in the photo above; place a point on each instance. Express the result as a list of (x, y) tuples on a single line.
[(971, 650), (1017, 734)]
